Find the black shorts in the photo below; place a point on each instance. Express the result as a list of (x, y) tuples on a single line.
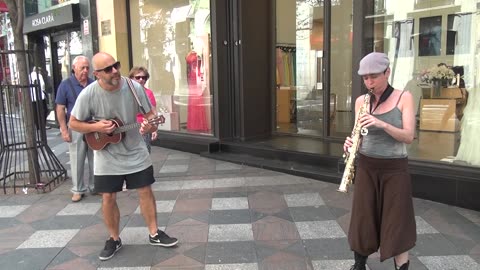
[(114, 183)]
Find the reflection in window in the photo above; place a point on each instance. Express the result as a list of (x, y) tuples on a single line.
[(430, 36), (458, 33), (300, 65), (451, 120), (172, 40)]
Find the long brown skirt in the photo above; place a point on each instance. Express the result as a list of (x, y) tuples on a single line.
[(382, 212)]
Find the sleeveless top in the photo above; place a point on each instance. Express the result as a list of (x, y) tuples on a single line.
[(378, 143)]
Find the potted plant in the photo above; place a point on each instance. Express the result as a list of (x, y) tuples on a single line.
[(438, 77)]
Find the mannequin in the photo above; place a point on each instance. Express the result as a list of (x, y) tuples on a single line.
[(196, 118)]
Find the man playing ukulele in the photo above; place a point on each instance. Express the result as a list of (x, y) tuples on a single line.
[(126, 161)]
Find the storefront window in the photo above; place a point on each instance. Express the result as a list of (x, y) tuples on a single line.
[(420, 36), (172, 40), (300, 66)]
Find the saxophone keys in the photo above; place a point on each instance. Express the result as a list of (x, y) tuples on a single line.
[(364, 131)]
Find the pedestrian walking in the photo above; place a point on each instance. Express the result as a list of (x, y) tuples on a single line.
[(112, 102), (141, 75), (67, 94)]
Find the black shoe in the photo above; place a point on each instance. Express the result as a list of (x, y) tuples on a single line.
[(403, 267), (360, 262), (162, 239), (111, 247)]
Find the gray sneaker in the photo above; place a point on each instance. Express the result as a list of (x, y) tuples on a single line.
[(162, 239), (111, 247)]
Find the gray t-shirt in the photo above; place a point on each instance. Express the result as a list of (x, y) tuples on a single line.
[(379, 144), (130, 155)]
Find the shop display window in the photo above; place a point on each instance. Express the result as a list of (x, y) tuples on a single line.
[(300, 65), (435, 57), (172, 40)]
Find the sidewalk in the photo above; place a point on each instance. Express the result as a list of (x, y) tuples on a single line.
[(226, 216)]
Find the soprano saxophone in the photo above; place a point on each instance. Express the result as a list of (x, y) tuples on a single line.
[(357, 132)]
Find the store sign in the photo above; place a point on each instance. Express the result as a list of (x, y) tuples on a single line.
[(43, 20), (56, 17)]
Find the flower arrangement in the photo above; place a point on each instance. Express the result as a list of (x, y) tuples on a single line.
[(438, 73)]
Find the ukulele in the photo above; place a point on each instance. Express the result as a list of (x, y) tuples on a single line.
[(98, 141)]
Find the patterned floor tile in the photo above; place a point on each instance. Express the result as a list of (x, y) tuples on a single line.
[(244, 266), (132, 256), (28, 259), (254, 181), (449, 262), (125, 268), (189, 234), (311, 213), (266, 249), (65, 222), (193, 205), (229, 203), (303, 199), (274, 229), (197, 184), (229, 182), (282, 213), (423, 227), (162, 207), (179, 156), (227, 166), (333, 264), (167, 185), (434, 244), (328, 249), (230, 216), (230, 232), (137, 220), (266, 200), (135, 235), (284, 261), (320, 229), (12, 210), (174, 169), (80, 209), (49, 239), (177, 217), (230, 253)]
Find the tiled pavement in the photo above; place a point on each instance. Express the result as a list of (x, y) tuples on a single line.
[(226, 216)]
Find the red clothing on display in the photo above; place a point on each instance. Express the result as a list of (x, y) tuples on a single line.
[(151, 97), (196, 117)]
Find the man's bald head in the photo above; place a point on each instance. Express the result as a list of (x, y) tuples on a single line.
[(101, 60), (107, 71)]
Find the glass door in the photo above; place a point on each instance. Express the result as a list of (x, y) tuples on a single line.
[(299, 54), (313, 67)]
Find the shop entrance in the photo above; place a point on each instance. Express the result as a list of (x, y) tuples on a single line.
[(313, 68), (62, 48)]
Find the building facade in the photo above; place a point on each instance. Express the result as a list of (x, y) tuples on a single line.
[(56, 32), (273, 83)]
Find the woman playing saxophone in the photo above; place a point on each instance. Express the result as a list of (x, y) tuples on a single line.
[(382, 216)]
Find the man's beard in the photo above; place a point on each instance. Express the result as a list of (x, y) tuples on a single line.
[(113, 81)]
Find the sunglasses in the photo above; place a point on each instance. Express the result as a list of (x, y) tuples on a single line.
[(108, 69), (140, 77)]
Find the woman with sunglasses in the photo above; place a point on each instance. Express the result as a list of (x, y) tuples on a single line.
[(141, 75)]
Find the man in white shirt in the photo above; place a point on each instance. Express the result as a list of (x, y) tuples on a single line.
[(39, 101)]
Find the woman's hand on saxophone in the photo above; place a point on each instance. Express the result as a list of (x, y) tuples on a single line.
[(348, 143), (368, 120)]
